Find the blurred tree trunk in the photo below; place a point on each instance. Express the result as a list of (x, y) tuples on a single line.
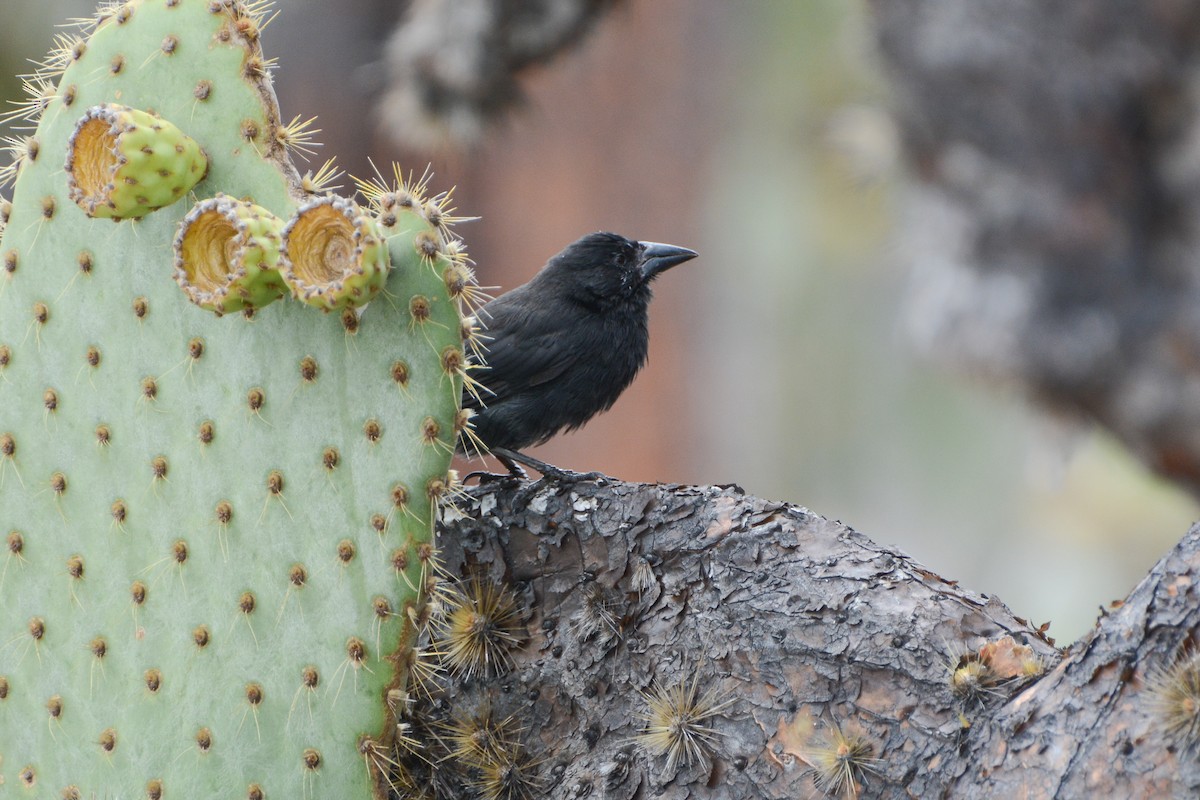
[(802, 624), (1052, 226)]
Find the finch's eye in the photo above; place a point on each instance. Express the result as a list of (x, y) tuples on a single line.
[(622, 259)]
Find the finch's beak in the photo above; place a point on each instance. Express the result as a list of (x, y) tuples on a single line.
[(658, 258)]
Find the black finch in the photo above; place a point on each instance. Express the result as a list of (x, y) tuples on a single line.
[(562, 348)]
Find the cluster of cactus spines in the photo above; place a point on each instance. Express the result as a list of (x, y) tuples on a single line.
[(217, 527), (989, 671), (478, 628), (470, 629), (1174, 692), (678, 720), (839, 762)]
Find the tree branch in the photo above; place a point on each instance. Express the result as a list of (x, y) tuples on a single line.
[(804, 624), (453, 65)]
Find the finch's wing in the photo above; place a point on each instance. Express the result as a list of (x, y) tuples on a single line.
[(522, 348)]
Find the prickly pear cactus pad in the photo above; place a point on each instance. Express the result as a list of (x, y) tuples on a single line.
[(215, 499)]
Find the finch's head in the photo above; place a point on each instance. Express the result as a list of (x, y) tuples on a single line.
[(603, 268)]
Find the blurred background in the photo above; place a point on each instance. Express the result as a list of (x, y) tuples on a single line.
[(787, 358)]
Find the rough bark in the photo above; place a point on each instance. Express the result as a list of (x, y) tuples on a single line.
[(802, 622), (1052, 227)]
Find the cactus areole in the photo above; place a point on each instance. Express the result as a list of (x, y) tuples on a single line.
[(199, 469)]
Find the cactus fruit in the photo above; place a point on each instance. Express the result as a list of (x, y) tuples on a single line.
[(227, 255), (334, 254), (123, 163), (216, 526)]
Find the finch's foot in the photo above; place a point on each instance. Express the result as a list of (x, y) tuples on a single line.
[(512, 459), (483, 476), (514, 469)]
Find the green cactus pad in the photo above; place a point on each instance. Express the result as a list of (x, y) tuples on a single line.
[(214, 528), (227, 255), (334, 255), (123, 163)]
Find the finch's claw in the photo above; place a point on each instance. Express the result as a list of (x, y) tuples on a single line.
[(483, 476), (512, 459), (557, 475)]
